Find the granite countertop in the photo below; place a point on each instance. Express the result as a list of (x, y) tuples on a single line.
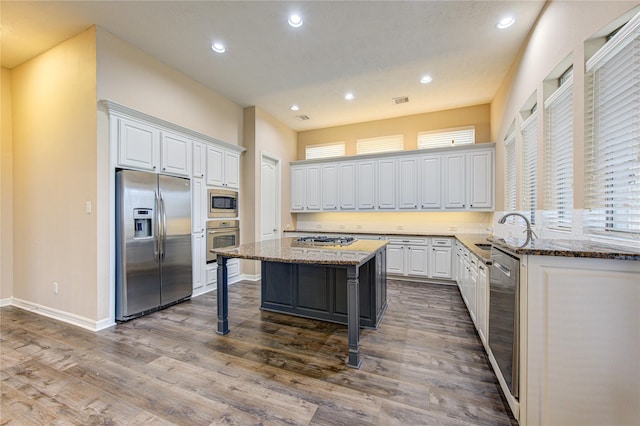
[(288, 250), (537, 247), (568, 248)]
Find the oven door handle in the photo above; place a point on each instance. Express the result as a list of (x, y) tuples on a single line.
[(224, 231)]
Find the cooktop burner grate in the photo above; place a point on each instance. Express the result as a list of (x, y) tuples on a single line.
[(326, 241)]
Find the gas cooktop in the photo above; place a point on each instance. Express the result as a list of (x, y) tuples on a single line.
[(326, 241)]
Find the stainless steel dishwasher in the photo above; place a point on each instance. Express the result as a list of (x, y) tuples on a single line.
[(504, 315)]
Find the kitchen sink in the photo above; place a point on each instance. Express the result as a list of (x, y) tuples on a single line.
[(484, 246)]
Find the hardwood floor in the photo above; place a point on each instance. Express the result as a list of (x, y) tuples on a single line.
[(425, 365)]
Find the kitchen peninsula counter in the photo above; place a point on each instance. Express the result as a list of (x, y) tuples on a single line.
[(346, 284)]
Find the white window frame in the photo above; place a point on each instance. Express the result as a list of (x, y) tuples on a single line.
[(510, 188), (379, 144), (325, 150), (612, 138), (558, 158), (529, 166), (444, 138)]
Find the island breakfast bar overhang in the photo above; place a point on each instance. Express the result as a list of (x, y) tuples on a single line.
[(351, 258)]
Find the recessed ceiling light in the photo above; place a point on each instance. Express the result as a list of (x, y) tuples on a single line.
[(295, 20), (218, 47), (426, 79), (506, 22), (349, 96), (295, 108)]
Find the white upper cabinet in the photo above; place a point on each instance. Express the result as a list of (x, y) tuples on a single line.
[(138, 145), (329, 187), (298, 188), (431, 182), (387, 184), (223, 168), (347, 185), (408, 183), (454, 181), (199, 162), (313, 187), (481, 181), (176, 154), (145, 147), (449, 179), (366, 184)]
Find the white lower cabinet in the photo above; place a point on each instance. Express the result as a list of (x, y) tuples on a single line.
[(198, 252), (211, 276), (440, 258), (408, 257)]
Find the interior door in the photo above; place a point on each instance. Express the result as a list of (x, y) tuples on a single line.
[(269, 198)]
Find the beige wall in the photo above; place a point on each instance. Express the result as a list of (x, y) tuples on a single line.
[(561, 32), (54, 165), (263, 134), (409, 126), (130, 77), (6, 189)]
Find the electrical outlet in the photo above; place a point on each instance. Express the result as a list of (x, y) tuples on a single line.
[(55, 287), (453, 228), (88, 207)]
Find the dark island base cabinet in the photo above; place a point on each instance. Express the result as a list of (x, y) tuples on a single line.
[(320, 292)]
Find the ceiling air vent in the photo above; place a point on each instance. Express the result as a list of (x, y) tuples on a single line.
[(401, 100), (303, 117)]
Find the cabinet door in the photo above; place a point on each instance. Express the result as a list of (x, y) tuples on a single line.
[(347, 186), (395, 259), (199, 160), (454, 181), (366, 185), (417, 260), (408, 183), (231, 170), (441, 262), (198, 205), (198, 251), (431, 182), (215, 166), (471, 294), (329, 187), (480, 180), (138, 145), (211, 276), (176, 154), (387, 184), (313, 188), (298, 188)]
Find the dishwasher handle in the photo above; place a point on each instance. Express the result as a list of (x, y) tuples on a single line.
[(502, 268)]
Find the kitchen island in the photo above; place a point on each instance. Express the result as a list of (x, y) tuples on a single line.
[(327, 282)]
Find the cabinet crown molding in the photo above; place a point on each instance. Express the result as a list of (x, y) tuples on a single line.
[(117, 109), (398, 154)]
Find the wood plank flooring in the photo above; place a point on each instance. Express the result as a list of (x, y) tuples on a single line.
[(424, 366)]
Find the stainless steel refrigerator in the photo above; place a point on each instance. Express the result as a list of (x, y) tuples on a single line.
[(153, 242)]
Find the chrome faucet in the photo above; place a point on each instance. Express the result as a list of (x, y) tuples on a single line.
[(529, 231)]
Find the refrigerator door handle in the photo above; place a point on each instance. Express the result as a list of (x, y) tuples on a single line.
[(156, 228), (164, 227)]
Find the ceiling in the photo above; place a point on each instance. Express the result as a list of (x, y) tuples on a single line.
[(378, 50)]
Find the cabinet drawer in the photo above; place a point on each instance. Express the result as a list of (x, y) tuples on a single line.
[(409, 240), (441, 242)]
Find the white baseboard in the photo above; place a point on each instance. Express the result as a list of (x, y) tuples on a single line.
[(73, 319), (248, 277), (6, 302)]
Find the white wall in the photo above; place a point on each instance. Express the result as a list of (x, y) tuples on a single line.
[(6, 191), (560, 33)]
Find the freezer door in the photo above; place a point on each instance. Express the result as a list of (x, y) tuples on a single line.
[(175, 197), (137, 265)]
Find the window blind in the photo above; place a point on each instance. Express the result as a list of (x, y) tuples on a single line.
[(612, 136), (447, 137), (558, 157), (325, 150), (380, 144), (510, 173), (529, 170)]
